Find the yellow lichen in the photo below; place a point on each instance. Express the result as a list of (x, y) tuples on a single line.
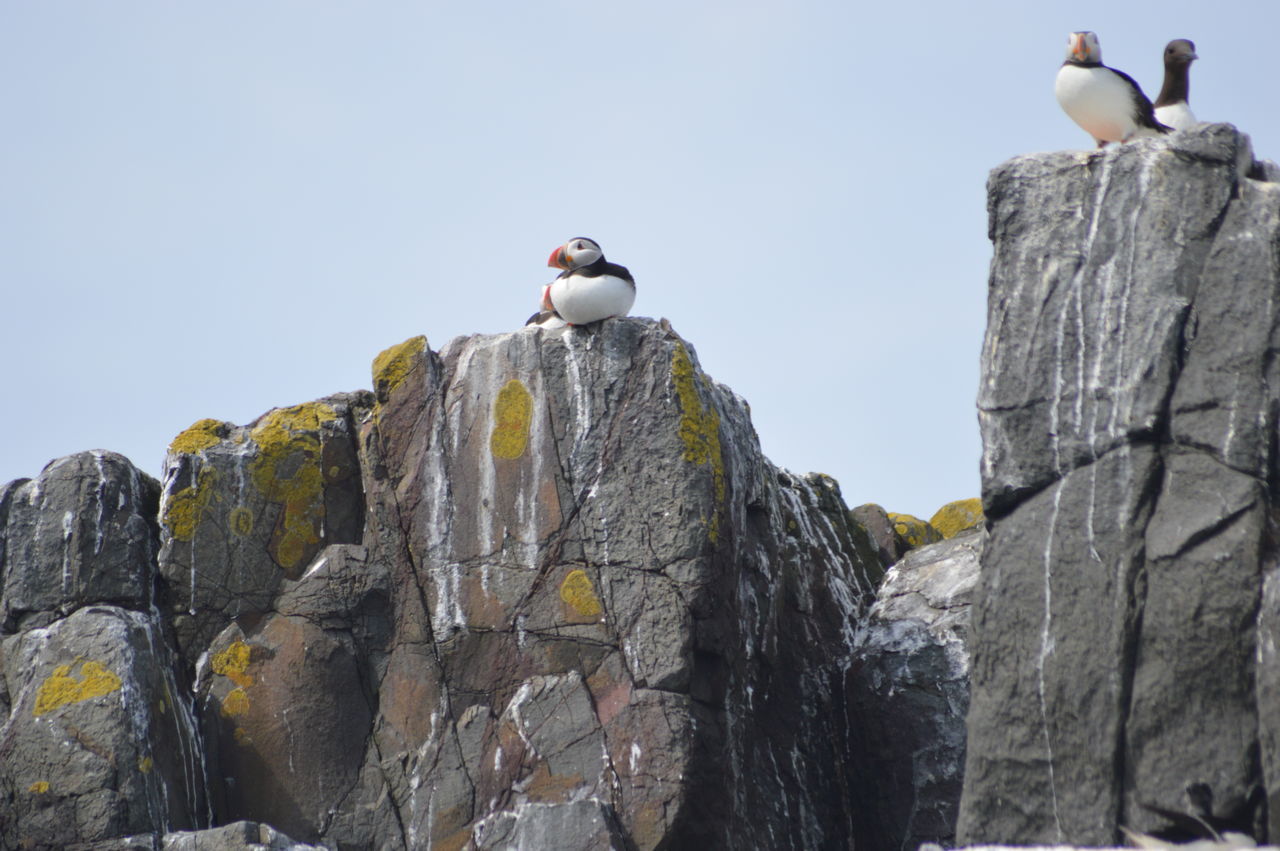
[(233, 663), (199, 436), (699, 431), (184, 509), (956, 517), (512, 414), (241, 521), (913, 530), (287, 470), (39, 787), (235, 703), (242, 736), (61, 688), (146, 764), (576, 590), (392, 366)]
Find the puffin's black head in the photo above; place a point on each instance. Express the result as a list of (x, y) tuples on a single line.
[(1180, 51), (575, 254)]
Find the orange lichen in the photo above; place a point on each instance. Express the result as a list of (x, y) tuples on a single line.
[(235, 703), (61, 688), (512, 414), (241, 521), (699, 431), (184, 510), (956, 517), (199, 436), (233, 663), (914, 531), (392, 367), (576, 590), (287, 470)]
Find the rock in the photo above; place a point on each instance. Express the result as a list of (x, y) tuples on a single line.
[(246, 508), (1128, 411), (603, 593), (879, 528), (100, 740), (82, 532), (238, 836), (912, 532), (578, 826), (912, 694), (538, 589), (956, 517)]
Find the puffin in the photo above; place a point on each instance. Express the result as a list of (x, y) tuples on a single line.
[(1171, 105), (589, 289), (1107, 103)]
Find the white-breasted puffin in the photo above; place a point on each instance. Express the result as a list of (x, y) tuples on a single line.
[(589, 289), (1171, 105), (1107, 103)]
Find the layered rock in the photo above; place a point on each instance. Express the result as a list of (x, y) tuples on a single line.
[(1122, 649), (99, 738), (911, 696), (539, 589)]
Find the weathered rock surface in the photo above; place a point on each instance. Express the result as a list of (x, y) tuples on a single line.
[(912, 695), (539, 589), (82, 532), (1122, 642)]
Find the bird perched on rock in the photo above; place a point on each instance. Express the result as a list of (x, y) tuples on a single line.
[(1171, 105), (589, 289), (1107, 103)]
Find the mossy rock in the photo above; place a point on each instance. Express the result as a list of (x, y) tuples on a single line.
[(959, 516), (912, 531)]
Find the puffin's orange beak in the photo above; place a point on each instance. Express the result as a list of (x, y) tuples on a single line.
[(558, 259), (1078, 49)]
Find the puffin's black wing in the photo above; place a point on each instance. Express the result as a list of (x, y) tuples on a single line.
[(1143, 111), (604, 267)]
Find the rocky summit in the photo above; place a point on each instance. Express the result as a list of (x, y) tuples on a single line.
[(536, 590), (1124, 670), (542, 590)]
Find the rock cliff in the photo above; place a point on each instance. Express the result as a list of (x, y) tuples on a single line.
[(1123, 628), (538, 589)]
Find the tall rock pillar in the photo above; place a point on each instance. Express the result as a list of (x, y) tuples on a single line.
[(1121, 639)]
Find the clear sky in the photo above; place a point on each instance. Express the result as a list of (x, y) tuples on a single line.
[(213, 209)]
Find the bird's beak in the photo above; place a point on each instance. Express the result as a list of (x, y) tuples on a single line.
[(558, 259), (1078, 49)]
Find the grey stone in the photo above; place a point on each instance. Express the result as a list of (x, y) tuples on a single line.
[(1128, 409), (100, 740), (911, 690), (540, 589), (82, 532), (577, 826), (244, 509)]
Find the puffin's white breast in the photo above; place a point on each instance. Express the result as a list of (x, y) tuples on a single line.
[(580, 299), (1098, 100), (1176, 115)]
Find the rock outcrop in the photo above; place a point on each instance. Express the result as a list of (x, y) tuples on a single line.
[(1123, 629), (912, 695), (538, 589)]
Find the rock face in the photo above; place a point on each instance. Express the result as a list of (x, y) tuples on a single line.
[(912, 695), (1123, 629), (539, 589), (100, 738)]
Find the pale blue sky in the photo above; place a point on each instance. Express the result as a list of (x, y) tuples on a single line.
[(209, 210)]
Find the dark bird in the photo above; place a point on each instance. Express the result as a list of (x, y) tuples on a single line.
[(1172, 105), (1107, 103)]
